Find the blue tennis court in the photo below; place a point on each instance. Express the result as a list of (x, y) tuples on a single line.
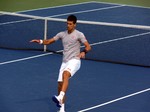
[(114, 77)]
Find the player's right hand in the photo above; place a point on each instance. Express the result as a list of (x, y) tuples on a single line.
[(35, 40)]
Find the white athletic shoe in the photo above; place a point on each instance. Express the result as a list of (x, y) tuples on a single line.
[(61, 111), (57, 101)]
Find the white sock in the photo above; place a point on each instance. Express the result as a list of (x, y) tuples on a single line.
[(61, 95), (62, 108)]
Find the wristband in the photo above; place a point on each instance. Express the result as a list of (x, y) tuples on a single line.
[(40, 41), (85, 51)]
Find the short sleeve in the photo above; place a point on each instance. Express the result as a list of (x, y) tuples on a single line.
[(82, 37), (58, 36)]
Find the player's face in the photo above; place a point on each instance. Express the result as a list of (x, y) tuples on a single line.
[(70, 26)]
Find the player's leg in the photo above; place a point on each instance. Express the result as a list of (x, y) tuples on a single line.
[(66, 77), (67, 70), (60, 89), (55, 98), (62, 108), (63, 86)]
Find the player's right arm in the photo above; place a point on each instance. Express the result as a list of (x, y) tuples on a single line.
[(45, 42)]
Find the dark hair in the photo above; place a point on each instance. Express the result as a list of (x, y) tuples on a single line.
[(72, 18)]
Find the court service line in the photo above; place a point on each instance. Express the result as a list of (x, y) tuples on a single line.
[(115, 100), (12, 22), (128, 5), (23, 59), (92, 10), (59, 6), (27, 58), (122, 38)]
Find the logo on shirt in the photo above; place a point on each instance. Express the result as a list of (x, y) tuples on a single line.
[(73, 37)]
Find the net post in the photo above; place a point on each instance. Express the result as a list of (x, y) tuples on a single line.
[(45, 34)]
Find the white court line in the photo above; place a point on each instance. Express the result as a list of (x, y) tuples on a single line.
[(12, 22), (53, 7), (27, 58), (23, 59), (136, 6), (91, 10), (118, 39), (115, 100), (122, 38)]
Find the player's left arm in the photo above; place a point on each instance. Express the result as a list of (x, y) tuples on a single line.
[(86, 49)]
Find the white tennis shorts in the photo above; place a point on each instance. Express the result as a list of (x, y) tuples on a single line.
[(71, 66)]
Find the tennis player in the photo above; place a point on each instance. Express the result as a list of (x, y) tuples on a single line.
[(71, 40)]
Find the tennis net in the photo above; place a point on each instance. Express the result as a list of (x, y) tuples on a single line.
[(111, 42)]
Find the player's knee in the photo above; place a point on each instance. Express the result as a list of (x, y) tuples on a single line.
[(66, 75)]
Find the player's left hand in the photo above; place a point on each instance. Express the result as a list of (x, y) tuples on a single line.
[(81, 55)]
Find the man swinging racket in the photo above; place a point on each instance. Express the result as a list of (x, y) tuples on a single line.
[(71, 39)]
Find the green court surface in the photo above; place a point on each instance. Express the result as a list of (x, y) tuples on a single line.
[(19, 5)]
